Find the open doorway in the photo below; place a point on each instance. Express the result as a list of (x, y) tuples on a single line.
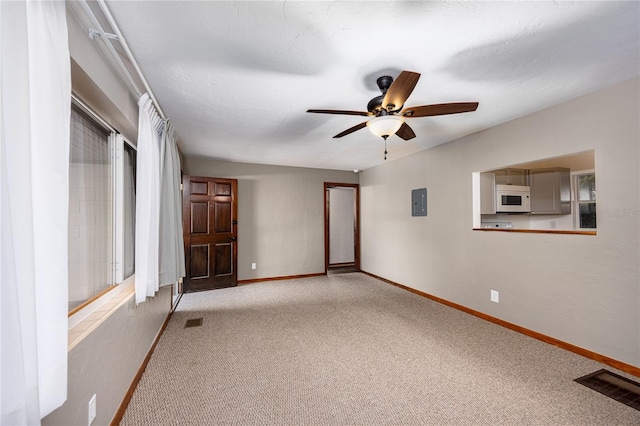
[(342, 227)]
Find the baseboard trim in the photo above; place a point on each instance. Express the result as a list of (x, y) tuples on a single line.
[(288, 277), (628, 368), (117, 418)]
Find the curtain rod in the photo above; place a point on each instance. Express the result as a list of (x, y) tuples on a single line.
[(118, 36), (87, 109), (125, 46)]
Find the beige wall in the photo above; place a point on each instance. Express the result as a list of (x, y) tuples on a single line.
[(280, 215), (584, 290), (106, 361)]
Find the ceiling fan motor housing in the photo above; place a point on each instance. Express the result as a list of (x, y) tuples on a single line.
[(375, 104), (384, 83)]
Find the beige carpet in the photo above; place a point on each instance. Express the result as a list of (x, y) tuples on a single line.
[(348, 349)]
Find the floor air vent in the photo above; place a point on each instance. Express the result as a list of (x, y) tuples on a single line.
[(196, 322), (614, 386)]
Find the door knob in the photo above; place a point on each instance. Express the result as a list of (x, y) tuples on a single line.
[(234, 239)]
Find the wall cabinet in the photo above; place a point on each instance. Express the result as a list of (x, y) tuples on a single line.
[(512, 177), (550, 191)]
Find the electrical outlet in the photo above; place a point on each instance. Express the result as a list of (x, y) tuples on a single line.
[(253, 266), (495, 296), (92, 409)]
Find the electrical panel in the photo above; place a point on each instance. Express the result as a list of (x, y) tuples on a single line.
[(419, 202)]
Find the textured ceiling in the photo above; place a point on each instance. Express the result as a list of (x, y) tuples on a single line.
[(237, 77)]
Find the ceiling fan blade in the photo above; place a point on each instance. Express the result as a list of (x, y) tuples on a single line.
[(439, 109), (341, 112), (400, 90), (405, 132), (351, 130)]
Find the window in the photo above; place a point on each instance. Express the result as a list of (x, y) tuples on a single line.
[(586, 200), (90, 208), (125, 209), (101, 207)]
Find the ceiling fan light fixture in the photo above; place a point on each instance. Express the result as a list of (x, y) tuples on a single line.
[(386, 125)]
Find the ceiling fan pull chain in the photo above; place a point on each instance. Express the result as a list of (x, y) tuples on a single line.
[(385, 148)]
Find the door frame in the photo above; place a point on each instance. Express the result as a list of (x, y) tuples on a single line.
[(356, 222)]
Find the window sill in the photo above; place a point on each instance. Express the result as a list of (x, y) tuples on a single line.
[(82, 323), (539, 231)]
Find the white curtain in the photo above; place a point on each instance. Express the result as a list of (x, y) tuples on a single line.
[(35, 102), (171, 242), (150, 126)]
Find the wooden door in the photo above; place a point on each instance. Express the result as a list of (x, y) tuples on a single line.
[(210, 233)]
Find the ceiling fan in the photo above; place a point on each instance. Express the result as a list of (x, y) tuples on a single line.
[(388, 108)]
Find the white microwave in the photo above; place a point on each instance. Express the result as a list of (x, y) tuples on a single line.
[(513, 199)]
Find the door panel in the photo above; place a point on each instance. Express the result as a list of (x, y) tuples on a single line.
[(222, 189), (222, 212), (199, 188), (210, 234), (224, 258), (199, 261), (199, 218)]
